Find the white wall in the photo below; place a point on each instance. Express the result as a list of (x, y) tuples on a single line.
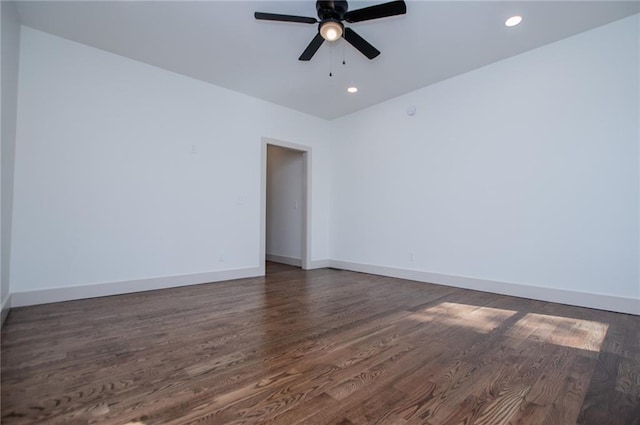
[(125, 171), (638, 102), (284, 205), (10, 53), (524, 171)]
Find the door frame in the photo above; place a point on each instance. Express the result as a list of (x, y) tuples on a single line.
[(306, 200)]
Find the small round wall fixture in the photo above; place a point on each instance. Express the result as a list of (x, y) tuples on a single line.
[(352, 89), (513, 21)]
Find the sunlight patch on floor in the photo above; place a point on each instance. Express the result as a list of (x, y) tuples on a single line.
[(479, 319), (565, 331)]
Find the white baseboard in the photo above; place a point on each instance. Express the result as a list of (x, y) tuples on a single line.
[(582, 299), (297, 262), (51, 295), (4, 309), (319, 264), (313, 264), (562, 296)]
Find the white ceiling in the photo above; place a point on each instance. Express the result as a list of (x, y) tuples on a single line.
[(220, 42)]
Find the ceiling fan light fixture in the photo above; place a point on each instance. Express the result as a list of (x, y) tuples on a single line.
[(331, 30)]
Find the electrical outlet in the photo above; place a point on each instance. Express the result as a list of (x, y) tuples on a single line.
[(221, 258), (412, 256)]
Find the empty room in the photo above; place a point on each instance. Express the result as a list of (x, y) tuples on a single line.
[(320, 212)]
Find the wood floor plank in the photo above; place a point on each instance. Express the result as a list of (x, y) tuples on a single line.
[(318, 347)]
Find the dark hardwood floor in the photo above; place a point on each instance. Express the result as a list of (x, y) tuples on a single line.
[(319, 347)]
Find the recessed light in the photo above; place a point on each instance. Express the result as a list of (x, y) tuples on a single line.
[(513, 21), (352, 89)]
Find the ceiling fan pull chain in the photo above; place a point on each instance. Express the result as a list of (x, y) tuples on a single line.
[(344, 62), (331, 59)]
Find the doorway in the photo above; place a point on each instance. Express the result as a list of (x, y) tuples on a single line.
[(285, 213)]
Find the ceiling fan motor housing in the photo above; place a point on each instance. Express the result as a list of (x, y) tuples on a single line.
[(331, 10)]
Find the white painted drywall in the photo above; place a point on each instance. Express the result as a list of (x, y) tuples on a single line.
[(125, 171), (284, 203), (524, 171), (638, 88), (10, 54)]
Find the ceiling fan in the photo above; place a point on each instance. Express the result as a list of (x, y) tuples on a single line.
[(331, 14)]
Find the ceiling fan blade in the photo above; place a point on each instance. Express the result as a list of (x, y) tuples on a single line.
[(360, 43), (312, 48), (378, 11), (284, 18)]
